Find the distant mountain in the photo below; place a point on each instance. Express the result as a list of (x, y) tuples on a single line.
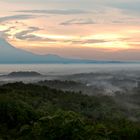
[(24, 74), (10, 54)]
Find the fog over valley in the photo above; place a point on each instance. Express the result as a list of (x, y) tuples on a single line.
[(121, 83), (92, 79)]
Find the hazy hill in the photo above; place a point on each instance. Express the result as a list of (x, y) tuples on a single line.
[(24, 74)]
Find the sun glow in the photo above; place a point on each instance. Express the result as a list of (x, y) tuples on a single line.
[(53, 36), (104, 36), (2, 28), (111, 46)]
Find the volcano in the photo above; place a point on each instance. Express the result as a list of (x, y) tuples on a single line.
[(12, 55)]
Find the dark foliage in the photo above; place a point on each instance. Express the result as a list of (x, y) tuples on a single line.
[(28, 111)]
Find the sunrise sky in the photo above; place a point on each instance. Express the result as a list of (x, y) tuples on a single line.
[(91, 29)]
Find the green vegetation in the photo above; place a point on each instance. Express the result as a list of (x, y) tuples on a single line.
[(30, 111)]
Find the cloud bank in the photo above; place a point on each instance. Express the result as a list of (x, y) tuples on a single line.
[(15, 17)]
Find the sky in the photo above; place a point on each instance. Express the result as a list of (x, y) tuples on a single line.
[(89, 29)]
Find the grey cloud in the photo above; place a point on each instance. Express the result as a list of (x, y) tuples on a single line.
[(127, 7), (78, 22), (5, 33), (133, 6), (15, 17), (130, 5), (89, 41), (118, 22), (56, 11), (7, 30), (26, 35), (31, 37), (94, 41)]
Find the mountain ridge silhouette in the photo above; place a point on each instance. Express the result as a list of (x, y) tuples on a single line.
[(10, 54)]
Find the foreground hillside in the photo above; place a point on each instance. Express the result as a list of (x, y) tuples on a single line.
[(29, 111)]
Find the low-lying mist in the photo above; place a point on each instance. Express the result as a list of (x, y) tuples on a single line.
[(122, 85), (103, 82)]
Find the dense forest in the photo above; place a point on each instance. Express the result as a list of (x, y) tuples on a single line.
[(29, 111)]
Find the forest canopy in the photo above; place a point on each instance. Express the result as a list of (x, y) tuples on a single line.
[(29, 111)]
